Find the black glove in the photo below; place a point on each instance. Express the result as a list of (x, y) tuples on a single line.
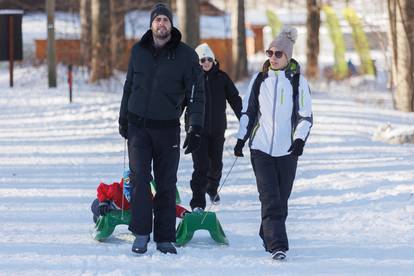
[(192, 140), (104, 207), (123, 127), (296, 148), (123, 130), (238, 149)]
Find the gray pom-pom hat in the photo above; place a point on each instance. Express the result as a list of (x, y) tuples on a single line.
[(285, 40)]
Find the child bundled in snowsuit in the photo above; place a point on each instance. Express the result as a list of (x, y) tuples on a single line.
[(219, 90), (111, 197)]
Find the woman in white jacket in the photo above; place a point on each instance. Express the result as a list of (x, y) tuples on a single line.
[(276, 118)]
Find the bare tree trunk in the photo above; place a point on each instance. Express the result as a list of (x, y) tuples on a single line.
[(86, 33), (401, 14), (313, 23), (238, 40), (101, 40), (392, 36), (51, 46), (118, 41), (189, 17)]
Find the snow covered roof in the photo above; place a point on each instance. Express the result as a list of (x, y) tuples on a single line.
[(256, 17), (286, 16), (137, 23), (67, 25), (10, 12)]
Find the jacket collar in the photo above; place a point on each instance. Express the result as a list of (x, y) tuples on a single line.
[(147, 39), (290, 70), (214, 70)]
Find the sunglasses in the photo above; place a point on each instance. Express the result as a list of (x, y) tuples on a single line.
[(270, 53), (202, 60)]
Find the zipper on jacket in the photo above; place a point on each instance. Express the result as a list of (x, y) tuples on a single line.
[(210, 103), (256, 128), (192, 94), (301, 97), (274, 115), (154, 70)]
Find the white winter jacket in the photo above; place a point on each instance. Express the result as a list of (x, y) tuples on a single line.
[(272, 118)]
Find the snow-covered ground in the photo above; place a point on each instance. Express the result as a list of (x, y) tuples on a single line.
[(351, 210)]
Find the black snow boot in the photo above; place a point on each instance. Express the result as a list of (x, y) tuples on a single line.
[(214, 198), (278, 255), (140, 244), (166, 247)]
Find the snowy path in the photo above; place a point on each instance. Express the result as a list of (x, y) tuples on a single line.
[(351, 211)]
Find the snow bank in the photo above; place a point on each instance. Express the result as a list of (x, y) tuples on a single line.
[(350, 213), (394, 135)]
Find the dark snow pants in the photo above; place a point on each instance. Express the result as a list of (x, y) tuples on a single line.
[(208, 165), (161, 147), (274, 178), (95, 209)]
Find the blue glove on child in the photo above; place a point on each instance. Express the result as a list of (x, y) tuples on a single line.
[(127, 185)]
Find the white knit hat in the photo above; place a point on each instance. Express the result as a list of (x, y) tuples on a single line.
[(285, 40), (203, 51)]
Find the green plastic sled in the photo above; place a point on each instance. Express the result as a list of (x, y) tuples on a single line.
[(197, 221), (105, 225)]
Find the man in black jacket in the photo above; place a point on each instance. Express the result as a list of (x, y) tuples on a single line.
[(163, 73), (207, 159)]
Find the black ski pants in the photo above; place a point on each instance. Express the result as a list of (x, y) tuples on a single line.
[(274, 178), (208, 166), (160, 147)]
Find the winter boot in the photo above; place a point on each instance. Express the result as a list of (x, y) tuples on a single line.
[(140, 244), (95, 210), (198, 201), (278, 255), (198, 209), (214, 198), (166, 247)]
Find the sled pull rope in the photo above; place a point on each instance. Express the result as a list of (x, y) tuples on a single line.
[(219, 189), (123, 186), (125, 150)]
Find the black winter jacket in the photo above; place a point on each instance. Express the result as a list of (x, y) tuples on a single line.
[(159, 81), (219, 89)]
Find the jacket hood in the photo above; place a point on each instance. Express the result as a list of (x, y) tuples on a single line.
[(292, 68)]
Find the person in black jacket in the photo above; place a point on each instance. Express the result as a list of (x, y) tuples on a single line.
[(207, 159), (163, 73)]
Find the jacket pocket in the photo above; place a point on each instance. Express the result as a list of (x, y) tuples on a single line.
[(284, 104), (256, 128), (138, 78)]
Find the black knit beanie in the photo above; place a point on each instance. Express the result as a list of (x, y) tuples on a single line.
[(160, 9)]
